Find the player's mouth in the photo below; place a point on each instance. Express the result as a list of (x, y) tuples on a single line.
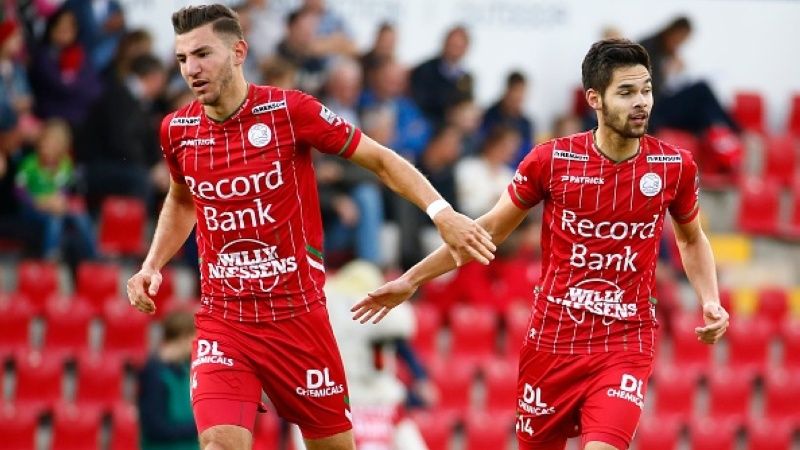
[(639, 119), (199, 84)]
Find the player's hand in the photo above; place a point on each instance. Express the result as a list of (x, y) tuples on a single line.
[(380, 301), (716, 322), (464, 237), (141, 289)]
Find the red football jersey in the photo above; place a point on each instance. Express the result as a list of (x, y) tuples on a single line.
[(259, 229), (602, 223)]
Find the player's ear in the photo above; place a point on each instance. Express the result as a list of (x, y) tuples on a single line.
[(594, 99), (239, 51)]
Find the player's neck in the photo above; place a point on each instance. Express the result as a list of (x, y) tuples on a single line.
[(230, 101), (613, 146)]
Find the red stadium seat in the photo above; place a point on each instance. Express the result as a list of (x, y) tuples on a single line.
[(517, 319), (267, 433), (15, 318), (765, 434), (748, 344), (453, 379), (759, 207), (38, 379), (790, 340), (18, 427), (436, 429), (748, 111), (730, 391), (501, 386), (782, 395), (67, 326), (37, 281), (773, 305), (474, 332), (792, 229), (429, 322), (99, 380), (122, 226), (126, 332), (794, 117), (708, 434), (656, 433), (98, 282), (124, 427), (75, 428), (688, 354), (681, 139), (675, 394), (485, 430), (780, 162)]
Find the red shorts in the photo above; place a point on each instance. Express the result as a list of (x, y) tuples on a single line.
[(295, 362), (599, 397)]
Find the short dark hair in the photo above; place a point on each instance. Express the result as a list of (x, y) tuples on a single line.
[(607, 55), (144, 65), (178, 324), (514, 78), (224, 19)]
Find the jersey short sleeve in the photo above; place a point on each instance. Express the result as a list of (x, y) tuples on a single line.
[(685, 206), (529, 185), (320, 127), (173, 165)]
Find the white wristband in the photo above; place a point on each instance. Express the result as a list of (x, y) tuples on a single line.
[(436, 207)]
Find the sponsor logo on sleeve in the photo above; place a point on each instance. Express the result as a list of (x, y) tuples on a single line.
[(570, 156), (650, 184), (327, 115), (664, 159), (184, 121), (268, 107), (519, 178)]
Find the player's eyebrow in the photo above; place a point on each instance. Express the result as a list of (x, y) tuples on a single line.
[(632, 85), (202, 48)]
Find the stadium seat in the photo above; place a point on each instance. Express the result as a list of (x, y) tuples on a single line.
[(436, 429), (681, 139), (18, 427), (730, 391), (126, 332), (67, 322), (748, 344), (706, 433), (656, 433), (794, 117), (429, 322), (688, 354), (473, 333), (97, 282), (124, 427), (780, 159), (792, 228), (38, 379), (99, 380), (790, 342), (674, 394), (37, 281), (15, 318), (75, 428), (122, 226), (748, 111), (267, 432), (782, 395), (500, 378), (759, 206), (517, 319), (765, 434), (453, 379), (485, 430), (773, 305)]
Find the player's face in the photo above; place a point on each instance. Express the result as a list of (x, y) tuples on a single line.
[(627, 101), (207, 63)]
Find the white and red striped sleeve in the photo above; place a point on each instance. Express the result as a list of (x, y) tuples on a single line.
[(685, 206), (530, 184), (320, 127)]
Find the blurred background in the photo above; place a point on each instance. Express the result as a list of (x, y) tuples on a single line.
[(461, 88)]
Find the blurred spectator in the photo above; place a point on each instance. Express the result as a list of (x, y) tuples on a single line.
[(252, 71), (101, 25), (439, 160), (43, 182), (491, 167), (466, 116), (687, 104), (330, 23), (297, 47), (383, 47), (64, 82), (351, 200), (387, 82), (269, 26), (120, 148), (16, 101), (165, 405), (280, 73), (509, 110), (443, 80), (133, 44), (566, 125)]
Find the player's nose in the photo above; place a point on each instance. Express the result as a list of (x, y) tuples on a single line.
[(192, 67)]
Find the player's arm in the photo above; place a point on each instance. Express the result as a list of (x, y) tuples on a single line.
[(174, 225), (499, 222), (465, 240), (698, 261)]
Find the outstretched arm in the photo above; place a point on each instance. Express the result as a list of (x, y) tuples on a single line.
[(464, 238), (504, 217), (698, 261), (174, 225)]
